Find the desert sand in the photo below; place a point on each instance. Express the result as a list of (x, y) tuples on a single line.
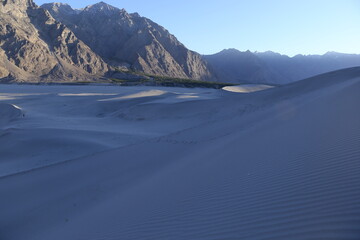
[(109, 162), (247, 88)]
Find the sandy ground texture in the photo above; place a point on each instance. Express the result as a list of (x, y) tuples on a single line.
[(105, 162)]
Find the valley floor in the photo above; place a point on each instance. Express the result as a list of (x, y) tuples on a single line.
[(105, 162)]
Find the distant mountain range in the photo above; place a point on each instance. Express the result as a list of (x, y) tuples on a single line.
[(57, 43), (234, 66)]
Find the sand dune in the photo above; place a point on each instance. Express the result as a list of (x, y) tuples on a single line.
[(8, 113), (278, 164), (60, 123), (247, 88)]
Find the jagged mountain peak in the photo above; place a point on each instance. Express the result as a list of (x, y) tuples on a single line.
[(135, 14), (121, 38), (230, 50), (234, 52), (97, 8), (102, 8), (59, 4), (269, 54), (60, 8)]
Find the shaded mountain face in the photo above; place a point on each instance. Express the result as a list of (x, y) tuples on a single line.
[(34, 46), (124, 39), (234, 66), (273, 68), (304, 66)]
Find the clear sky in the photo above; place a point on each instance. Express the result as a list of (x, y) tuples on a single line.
[(285, 26)]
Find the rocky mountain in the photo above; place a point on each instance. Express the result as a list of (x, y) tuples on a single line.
[(130, 41), (304, 66), (234, 66), (57, 43), (35, 47)]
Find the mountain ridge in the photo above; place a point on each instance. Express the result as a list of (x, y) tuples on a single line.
[(58, 43), (232, 65), (129, 40)]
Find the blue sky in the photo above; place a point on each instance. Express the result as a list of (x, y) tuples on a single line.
[(286, 26)]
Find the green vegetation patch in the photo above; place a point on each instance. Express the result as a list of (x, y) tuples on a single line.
[(154, 80)]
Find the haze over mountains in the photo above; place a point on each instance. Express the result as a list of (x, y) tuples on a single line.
[(58, 43)]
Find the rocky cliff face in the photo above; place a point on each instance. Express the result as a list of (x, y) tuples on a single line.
[(124, 39), (34, 47)]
